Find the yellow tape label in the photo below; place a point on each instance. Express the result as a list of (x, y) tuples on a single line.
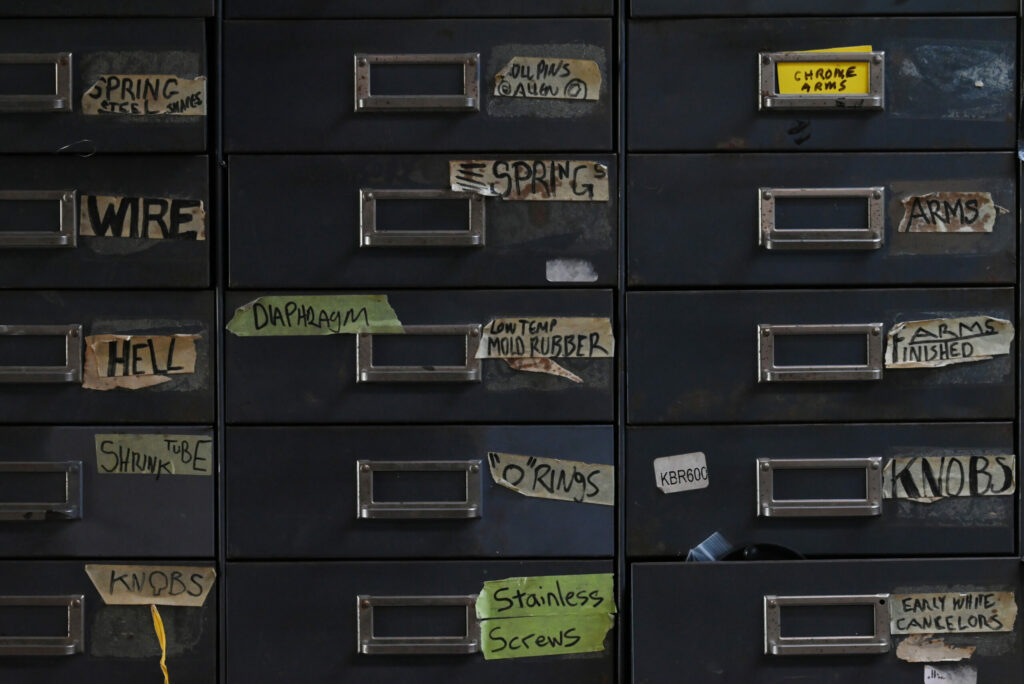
[(817, 78)]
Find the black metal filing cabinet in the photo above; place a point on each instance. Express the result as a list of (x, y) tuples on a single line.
[(107, 457), (781, 160)]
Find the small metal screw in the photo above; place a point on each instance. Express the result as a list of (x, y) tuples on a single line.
[(877, 194), (67, 197), (474, 333), (764, 466), (766, 60), (874, 465), (875, 332), (767, 333), (362, 61), (365, 468), (772, 603), (877, 59), (73, 467), (474, 468), (766, 194), (369, 195), (471, 61), (74, 333), (76, 602), (364, 604), (64, 60)]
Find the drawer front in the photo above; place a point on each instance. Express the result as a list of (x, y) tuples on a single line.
[(928, 101), (106, 509), (107, 8), (414, 8), (186, 398), (101, 47), (312, 67), (323, 465), (723, 197), (666, 525), (696, 8), (523, 243), (694, 358), (118, 643), (666, 596), (313, 379), (115, 197), (311, 634)]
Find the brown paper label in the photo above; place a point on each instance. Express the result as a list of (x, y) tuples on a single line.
[(145, 585), (950, 212), (941, 342), (570, 337), (157, 455), (952, 612), (155, 218), (930, 478), (553, 478), (927, 648), (145, 94), (136, 361), (549, 78), (552, 180), (542, 365)]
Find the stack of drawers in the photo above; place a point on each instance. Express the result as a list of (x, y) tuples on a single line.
[(765, 270), (62, 285), (361, 517)]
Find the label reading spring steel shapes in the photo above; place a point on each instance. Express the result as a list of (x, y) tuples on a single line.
[(927, 479), (136, 361), (952, 612), (941, 342), (553, 180), (146, 94), (552, 478), (950, 212), (144, 585), (681, 473), (549, 78), (154, 218)]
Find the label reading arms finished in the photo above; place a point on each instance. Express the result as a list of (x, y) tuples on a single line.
[(941, 342)]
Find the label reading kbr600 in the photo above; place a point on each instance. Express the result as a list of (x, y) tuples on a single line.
[(681, 473)]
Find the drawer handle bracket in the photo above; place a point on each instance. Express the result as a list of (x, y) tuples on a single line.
[(871, 237), (778, 645), (70, 372), (368, 508), (768, 371), (370, 236), (770, 98), (59, 101), (67, 645), (468, 100), (770, 507), (469, 372), (65, 236), (68, 509), (370, 644)]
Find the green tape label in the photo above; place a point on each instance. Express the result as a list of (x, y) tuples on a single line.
[(528, 637), (286, 315)]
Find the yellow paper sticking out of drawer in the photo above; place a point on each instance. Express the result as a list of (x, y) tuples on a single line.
[(825, 78)]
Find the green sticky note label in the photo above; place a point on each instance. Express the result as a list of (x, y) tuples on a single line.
[(287, 315), (528, 637), (157, 455), (547, 595)]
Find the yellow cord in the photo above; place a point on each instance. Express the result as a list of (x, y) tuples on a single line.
[(161, 636)]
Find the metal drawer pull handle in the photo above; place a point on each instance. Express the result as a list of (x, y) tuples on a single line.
[(870, 237), (71, 371), (68, 509), (369, 644), (469, 372), (776, 644), (771, 99), (370, 236), (469, 100), (770, 507), (767, 371), (59, 101), (368, 508), (65, 236), (67, 645)]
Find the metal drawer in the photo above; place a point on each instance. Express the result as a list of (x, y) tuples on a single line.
[(521, 243), (239, 9), (668, 525), (312, 68), (693, 8), (59, 397), (694, 357), (107, 8), (309, 632), (670, 635), (80, 52), (76, 260), (719, 227), (96, 511), (313, 379), (113, 643), (314, 474), (949, 84)]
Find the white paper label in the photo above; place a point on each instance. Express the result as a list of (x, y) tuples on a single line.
[(948, 674), (681, 473)]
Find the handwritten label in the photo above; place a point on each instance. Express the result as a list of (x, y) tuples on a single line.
[(146, 94), (141, 585), (953, 612), (950, 212), (927, 479), (136, 361), (528, 637), (580, 338), (925, 648), (157, 455), (941, 342), (960, 674), (549, 78), (285, 315), (552, 478), (531, 179), (818, 78), (681, 473), (155, 218)]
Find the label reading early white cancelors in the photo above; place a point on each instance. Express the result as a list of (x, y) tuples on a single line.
[(681, 473)]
